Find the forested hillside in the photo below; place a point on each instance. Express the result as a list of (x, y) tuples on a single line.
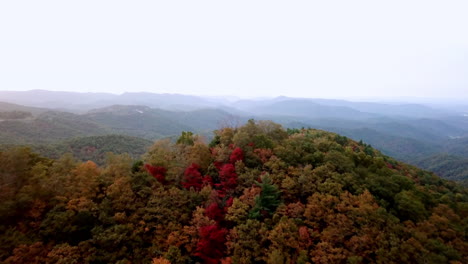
[(254, 194), (131, 120), (408, 132), (94, 148), (9, 107), (151, 123), (447, 166)]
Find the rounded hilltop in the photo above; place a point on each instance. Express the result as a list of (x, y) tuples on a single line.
[(255, 194)]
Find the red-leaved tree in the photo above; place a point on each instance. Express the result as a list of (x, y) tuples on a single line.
[(228, 203), (193, 177), (214, 212), (211, 245), (207, 180), (236, 155), (228, 179), (157, 172)]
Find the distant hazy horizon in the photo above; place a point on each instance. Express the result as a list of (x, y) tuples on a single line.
[(402, 99), (247, 49)]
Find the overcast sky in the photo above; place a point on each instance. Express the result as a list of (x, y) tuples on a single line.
[(243, 48)]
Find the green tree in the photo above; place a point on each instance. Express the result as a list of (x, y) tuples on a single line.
[(267, 201), (186, 138)]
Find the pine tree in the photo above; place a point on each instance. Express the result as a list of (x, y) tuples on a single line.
[(267, 201)]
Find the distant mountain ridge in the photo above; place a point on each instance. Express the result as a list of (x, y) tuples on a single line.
[(132, 120), (407, 131), (8, 107), (76, 101)]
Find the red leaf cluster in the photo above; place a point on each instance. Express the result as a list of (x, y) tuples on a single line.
[(229, 203), (193, 178), (218, 164), (228, 177), (207, 180), (236, 155), (211, 246), (157, 172), (214, 212)]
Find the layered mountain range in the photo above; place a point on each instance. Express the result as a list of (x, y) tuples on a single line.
[(432, 135)]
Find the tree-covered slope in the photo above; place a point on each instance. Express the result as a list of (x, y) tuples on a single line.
[(429, 144), (151, 123), (131, 120), (48, 127), (447, 166), (457, 146), (399, 147), (9, 107), (255, 194), (138, 121), (95, 148)]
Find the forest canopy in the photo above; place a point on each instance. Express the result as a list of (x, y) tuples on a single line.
[(255, 194)]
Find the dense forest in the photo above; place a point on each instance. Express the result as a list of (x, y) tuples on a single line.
[(94, 148), (447, 166), (254, 194)]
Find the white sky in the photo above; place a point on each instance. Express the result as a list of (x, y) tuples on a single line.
[(244, 48)]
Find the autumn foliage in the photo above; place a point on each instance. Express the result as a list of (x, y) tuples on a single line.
[(158, 172), (193, 178), (236, 155), (228, 177), (214, 212), (211, 246), (256, 194)]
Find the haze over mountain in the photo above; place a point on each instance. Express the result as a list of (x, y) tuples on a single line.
[(407, 131), (74, 101)]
